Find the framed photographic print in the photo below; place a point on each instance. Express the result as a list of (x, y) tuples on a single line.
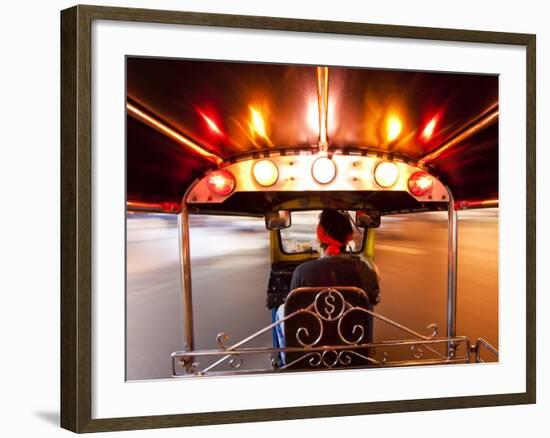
[(267, 218)]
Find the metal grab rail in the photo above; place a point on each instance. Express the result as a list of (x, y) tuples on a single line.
[(477, 349), (321, 354)]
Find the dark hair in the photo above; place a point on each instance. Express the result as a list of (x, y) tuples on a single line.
[(337, 224)]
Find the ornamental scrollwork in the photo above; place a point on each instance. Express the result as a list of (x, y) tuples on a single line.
[(346, 324)]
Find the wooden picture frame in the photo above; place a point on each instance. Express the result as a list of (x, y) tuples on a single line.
[(76, 218)]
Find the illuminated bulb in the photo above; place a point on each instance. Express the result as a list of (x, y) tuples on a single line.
[(323, 170), (221, 182), (386, 174), (429, 129), (265, 173), (257, 122), (393, 128), (421, 183)]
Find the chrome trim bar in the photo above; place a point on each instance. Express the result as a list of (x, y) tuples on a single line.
[(486, 203), (452, 271), (259, 350), (157, 124), (478, 126), (152, 207), (395, 364), (482, 342), (322, 102), (185, 266), (231, 356)]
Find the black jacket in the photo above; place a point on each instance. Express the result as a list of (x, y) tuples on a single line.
[(341, 270)]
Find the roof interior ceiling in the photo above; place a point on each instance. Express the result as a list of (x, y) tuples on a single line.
[(213, 103)]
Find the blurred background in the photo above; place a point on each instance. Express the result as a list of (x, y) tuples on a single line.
[(230, 270)]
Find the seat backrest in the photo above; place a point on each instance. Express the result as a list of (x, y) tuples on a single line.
[(327, 317)]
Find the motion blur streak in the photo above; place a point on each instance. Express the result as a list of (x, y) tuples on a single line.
[(211, 124), (230, 267), (393, 127), (429, 129), (477, 127), (257, 124), (158, 125)]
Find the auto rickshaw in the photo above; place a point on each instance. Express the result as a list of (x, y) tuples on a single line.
[(372, 173)]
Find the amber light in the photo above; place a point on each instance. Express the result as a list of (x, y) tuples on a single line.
[(323, 170), (421, 183), (265, 172), (386, 174), (257, 122), (393, 128), (221, 182)]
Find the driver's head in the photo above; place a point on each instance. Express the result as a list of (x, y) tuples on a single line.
[(334, 231)]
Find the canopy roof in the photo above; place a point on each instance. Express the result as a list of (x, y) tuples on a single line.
[(184, 112)]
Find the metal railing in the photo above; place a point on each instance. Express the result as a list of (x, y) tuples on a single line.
[(329, 310), (477, 349)]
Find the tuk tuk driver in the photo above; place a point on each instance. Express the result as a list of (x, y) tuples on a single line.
[(335, 266)]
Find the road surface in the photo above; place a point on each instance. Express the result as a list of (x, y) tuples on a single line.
[(230, 266)]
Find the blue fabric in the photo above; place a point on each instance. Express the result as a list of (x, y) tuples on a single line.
[(280, 330), (274, 329)]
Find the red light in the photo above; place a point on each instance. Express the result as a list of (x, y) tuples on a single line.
[(212, 125), (421, 183), (221, 182), (429, 129)]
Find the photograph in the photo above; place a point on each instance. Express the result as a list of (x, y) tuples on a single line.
[(297, 218), (269, 218)]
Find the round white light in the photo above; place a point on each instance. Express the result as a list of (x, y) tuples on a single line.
[(323, 170), (265, 173), (386, 174)]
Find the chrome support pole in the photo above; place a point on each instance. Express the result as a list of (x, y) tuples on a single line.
[(452, 273), (185, 266), (322, 103)]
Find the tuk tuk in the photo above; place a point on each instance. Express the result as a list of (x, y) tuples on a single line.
[(417, 153)]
